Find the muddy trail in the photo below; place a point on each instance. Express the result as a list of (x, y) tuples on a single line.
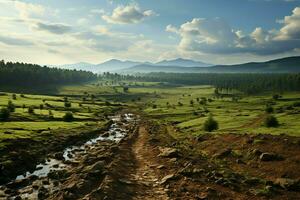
[(140, 159)]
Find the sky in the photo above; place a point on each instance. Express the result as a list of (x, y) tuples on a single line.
[(214, 31)]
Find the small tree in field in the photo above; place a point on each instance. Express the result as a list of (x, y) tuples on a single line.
[(271, 121), (68, 104), (4, 114), (31, 110), (10, 106), (269, 109), (68, 117), (210, 124)]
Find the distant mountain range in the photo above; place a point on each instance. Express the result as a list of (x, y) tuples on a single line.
[(115, 65), (283, 65), (180, 62)]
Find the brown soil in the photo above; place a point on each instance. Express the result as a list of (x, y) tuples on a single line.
[(151, 164)]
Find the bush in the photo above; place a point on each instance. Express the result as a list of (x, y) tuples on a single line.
[(296, 104), (14, 96), (68, 104), (31, 110), (11, 107), (269, 109), (4, 114), (68, 117), (271, 121), (210, 124), (276, 96), (50, 114)]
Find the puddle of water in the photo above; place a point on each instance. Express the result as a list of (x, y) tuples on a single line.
[(115, 133)]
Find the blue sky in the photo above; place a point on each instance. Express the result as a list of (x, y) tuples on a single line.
[(214, 31)]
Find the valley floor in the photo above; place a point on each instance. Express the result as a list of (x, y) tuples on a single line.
[(149, 163)]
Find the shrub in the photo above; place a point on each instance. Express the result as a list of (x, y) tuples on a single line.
[(296, 104), (14, 96), (154, 106), (31, 110), (50, 115), (271, 121), (191, 102), (68, 117), (269, 109), (210, 124), (11, 107), (4, 114), (68, 104), (276, 96)]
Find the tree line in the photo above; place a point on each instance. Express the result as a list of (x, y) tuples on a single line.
[(248, 83), (23, 74)]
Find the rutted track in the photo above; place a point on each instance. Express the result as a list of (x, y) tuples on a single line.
[(52, 179)]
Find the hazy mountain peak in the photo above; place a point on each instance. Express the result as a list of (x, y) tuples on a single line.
[(181, 62)]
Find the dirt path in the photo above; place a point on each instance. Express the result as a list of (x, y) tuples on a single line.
[(146, 175)]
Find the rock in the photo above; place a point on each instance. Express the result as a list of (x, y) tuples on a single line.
[(289, 184), (252, 181), (17, 198), (168, 153), (97, 166), (59, 156), (125, 181), (167, 178), (18, 183), (256, 152), (161, 167), (45, 182), (43, 193), (270, 157), (223, 154)]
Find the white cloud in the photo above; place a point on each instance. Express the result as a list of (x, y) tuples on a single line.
[(55, 28), (97, 11), (130, 14), (215, 36), (291, 26), (28, 10)]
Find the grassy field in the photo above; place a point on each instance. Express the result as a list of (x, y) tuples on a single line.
[(243, 116), (48, 114), (181, 106)]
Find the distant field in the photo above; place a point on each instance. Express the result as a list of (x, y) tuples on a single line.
[(22, 124), (244, 116), (158, 100)]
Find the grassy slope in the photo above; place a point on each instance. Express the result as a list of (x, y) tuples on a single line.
[(244, 116)]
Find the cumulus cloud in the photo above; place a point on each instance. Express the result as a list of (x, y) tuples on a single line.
[(130, 14), (55, 28), (15, 41), (217, 37)]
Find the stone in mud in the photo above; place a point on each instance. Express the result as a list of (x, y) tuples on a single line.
[(167, 178), (161, 167), (45, 182), (59, 156), (289, 184), (18, 183), (125, 181), (169, 153), (43, 193), (270, 157), (97, 166), (18, 198), (61, 174), (223, 154)]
